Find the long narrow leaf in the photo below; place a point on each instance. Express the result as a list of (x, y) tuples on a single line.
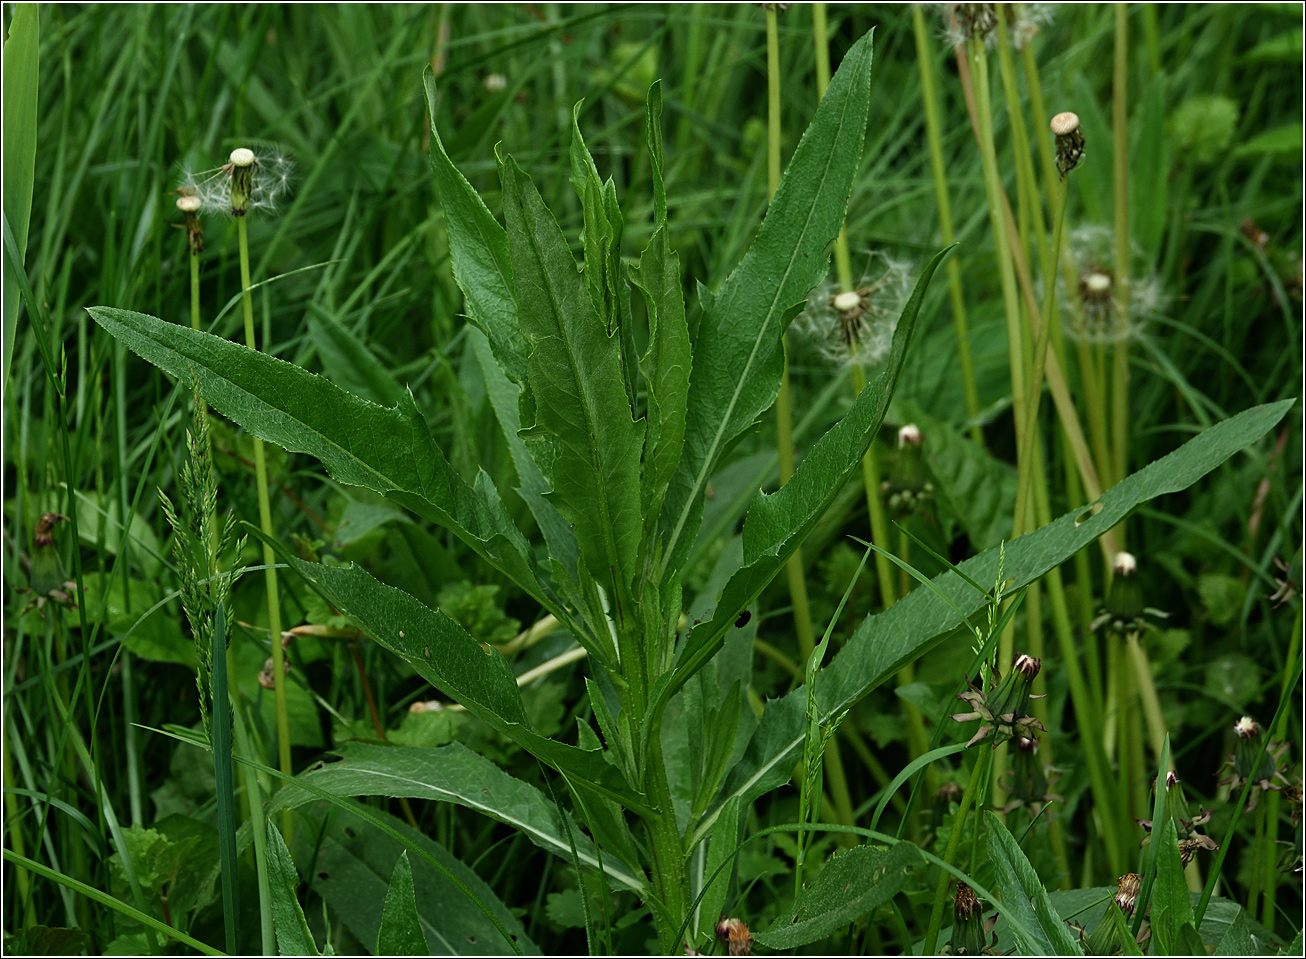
[(446, 656), (916, 623), (737, 356), (389, 451)]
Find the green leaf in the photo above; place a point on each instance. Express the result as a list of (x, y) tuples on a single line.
[(453, 774), (354, 866), (21, 58), (401, 930), (916, 623), (589, 447), (778, 523), (1237, 940), (667, 361), (448, 658), (849, 885), (738, 358), (389, 451), (293, 937), (1281, 141), (1023, 894), (978, 488), (722, 846), (347, 360), (478, 248), (1171, 905)]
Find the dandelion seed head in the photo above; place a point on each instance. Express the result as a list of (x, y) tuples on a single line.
[(1100, 308), (241, 157), (856, 326), (495, 82)]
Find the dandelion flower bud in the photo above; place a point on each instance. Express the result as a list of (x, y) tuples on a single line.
[(1128, 887), (1070, 141), (969, 930), (909, 435)]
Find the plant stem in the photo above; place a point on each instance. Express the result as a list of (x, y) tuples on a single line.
[(954, 840), (1120, 159), (783, 407), (194, 290), (223, 782), (258, 825), (269, 557), (925, 62)]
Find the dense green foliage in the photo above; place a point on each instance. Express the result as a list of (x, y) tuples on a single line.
[(521, 317)]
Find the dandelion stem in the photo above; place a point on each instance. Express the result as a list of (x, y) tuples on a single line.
[(1120, 311), (926, 63), (954, 840), (269, 557)]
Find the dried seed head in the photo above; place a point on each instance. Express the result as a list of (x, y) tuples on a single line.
[(847, 301), (1064, 124), (1098, 306), (1125, 564), (241, 157), (910, 435), (1070, 141), (1246, 727), (855, 327), (495, 82), (189, 204)]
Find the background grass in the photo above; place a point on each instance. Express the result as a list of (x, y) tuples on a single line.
[(131, 96)]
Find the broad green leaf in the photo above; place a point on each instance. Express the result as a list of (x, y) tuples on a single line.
[(1150, 169), (738, 358), (453, 774), (389, 451), (916, 623), (1237, 941), (479, 251), (778, 523), (354, 867), (667, 361), (21, 57), (849, 885), (590, 445), (348, 362), (1023, 894), (447, 657), (293, 937), (401, 930), (979, 488)]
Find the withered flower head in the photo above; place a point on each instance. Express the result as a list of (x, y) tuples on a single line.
[(1128, 887)]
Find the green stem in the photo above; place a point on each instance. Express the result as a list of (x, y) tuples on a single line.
[(1120, 158), (783, 406), (224, 785), (194, 291), (925, 62), (954, 840), (1273, 799), (269, 557), (258, 825), (670, 882)]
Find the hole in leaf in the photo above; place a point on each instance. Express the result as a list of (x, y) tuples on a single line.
[(1088, 513), (323, 874)]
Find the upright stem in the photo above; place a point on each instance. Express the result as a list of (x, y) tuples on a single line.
[(925, 62), (954, 840), (1120, 157), (195, 290), (269, 557)]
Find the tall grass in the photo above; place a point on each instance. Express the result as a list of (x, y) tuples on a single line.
[(353, 280)]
